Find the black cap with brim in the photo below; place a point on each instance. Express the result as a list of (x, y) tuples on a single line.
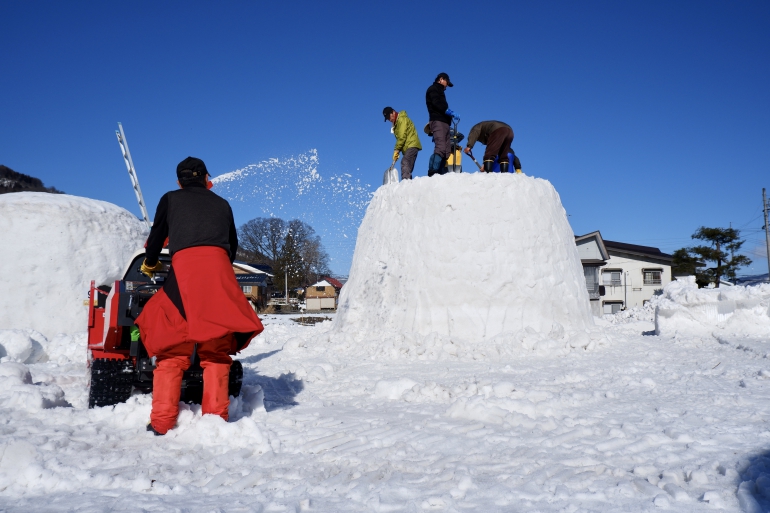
[(387, 111), (191, 169), (445, 77)]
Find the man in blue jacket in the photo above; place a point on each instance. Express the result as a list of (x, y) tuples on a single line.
[(440, 116)]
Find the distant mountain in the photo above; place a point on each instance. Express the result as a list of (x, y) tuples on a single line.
[(11, 181)]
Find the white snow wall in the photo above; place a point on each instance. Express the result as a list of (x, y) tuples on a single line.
[(51, 247), (468, 256)]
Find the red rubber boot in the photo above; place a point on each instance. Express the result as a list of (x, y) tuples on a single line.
[(166, 389)]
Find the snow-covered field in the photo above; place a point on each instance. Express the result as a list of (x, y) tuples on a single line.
[(638, 413)]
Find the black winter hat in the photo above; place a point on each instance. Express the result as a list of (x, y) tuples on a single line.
[(387, 111), (191, 170)]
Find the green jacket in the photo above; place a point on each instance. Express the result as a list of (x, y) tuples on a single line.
[(406, 135)]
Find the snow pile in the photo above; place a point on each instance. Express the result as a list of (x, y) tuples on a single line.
[(51, 247), (17, 391), (465, 265), (644, 313), (726, 312)]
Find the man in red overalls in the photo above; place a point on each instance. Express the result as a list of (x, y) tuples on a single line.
[(200, 302)]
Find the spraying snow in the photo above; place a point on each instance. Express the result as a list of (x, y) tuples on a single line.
[(468, 258), (51, 247), (293, 188)]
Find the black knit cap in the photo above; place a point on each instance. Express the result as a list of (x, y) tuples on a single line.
[(191, 170), (387, 111)]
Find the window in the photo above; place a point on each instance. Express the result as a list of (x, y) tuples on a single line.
[(611, 277), (592, 281), (652, 276), (320, 289), (246, 289), (612, 307)]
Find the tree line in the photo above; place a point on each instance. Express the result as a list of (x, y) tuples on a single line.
[(11, 181), (720, 250), (291, 248)]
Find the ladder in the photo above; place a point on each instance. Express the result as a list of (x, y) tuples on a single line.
[(132, 172)]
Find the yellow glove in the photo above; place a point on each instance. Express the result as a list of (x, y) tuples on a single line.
[(150, 271), (395, 155)]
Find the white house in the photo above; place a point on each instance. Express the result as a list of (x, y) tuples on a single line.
[(620, 275)]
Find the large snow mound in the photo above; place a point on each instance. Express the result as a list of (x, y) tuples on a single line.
[(727, 313), (465, 258), (51, 247)]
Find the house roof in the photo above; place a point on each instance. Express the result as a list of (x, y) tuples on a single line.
[(599, 242), (634, 248), (249, 269), (605, 246), (334, 283)]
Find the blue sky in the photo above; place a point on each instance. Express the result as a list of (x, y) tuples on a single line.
[(650, 118)]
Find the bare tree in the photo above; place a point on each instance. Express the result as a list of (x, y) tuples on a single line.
[(291, 247), (262, 239)]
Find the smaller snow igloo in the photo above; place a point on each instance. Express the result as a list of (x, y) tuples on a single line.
[(467, 256), (51, 247)]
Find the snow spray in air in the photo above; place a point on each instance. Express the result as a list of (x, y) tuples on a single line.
[(293, 188)]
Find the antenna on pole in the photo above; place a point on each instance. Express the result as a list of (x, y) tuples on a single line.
[(132, 171), (767, 231)]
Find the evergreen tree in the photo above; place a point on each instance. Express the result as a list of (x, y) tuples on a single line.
[(723, 243)]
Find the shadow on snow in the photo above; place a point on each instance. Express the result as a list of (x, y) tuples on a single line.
[(754, 486), (279, 392)]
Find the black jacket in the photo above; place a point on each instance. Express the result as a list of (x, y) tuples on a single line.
[(437, 105), (193, 216)]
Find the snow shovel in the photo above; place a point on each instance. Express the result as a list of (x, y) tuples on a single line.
[(390, 176)]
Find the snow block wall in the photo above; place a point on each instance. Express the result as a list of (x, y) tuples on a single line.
[(51, 247), (466, 256), (727, 312)]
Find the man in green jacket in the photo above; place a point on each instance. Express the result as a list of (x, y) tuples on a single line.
[(407, 141)]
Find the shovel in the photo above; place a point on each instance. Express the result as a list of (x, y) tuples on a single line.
[(475, 161), (390, 176)]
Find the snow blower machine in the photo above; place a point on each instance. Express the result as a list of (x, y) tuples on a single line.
[(117, 358)]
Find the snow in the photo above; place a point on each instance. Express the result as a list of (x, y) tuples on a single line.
[(467, 260), (635, 422), (51, 247)]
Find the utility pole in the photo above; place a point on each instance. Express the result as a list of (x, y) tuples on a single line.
[(767, 232)]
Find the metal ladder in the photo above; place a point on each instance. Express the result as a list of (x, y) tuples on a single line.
[(132, 172)]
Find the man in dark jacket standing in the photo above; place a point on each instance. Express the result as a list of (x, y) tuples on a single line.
[(440, 116), (200, 307), (497, 136)]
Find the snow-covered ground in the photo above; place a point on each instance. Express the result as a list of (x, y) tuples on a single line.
[(645, 422), (652, 413)]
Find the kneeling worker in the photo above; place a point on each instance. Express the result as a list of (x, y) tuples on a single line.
[(200, 307), (407, 141), (497, 136)]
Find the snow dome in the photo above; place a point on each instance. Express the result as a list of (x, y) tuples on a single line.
[(51, 247), (466, 256)]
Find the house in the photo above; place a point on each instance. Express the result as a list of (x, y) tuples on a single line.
[(323, 295), (620, 275), (255, 283)]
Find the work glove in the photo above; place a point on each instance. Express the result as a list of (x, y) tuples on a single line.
[(150, 271), (455, 117), (395, 155)]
